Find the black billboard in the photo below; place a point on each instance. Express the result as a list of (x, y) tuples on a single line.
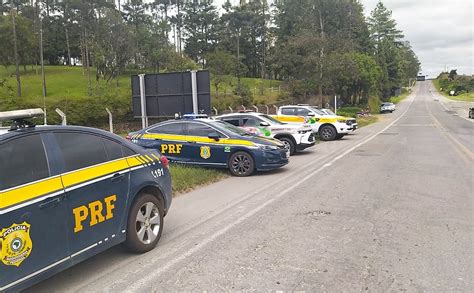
[(170, 93)]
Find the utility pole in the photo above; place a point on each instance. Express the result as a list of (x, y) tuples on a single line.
[(15, 47), (238, 58), (43, 76)]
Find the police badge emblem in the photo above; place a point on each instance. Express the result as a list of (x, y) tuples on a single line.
[(15, 244), (205, 152)]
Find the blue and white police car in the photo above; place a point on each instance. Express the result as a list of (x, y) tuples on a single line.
[(213, 143), (68, 193)]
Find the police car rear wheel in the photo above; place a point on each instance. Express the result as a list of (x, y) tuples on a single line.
[(145, 224), (241, 164)]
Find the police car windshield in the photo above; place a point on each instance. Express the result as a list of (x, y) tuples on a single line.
[(229, 128), (271, 119)]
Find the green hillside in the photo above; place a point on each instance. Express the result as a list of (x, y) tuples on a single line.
[(67, 89)]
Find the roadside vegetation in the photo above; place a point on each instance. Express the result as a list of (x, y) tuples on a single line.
[(461, 85), (187, 178)]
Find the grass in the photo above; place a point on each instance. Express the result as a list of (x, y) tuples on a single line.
[(187, 178), (364, 121), (264, 91), (398, 99), (466, 97)]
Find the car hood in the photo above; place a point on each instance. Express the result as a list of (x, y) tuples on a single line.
[(261, 140)]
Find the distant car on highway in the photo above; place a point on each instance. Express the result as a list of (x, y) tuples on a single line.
[(68, 193), (295, 137), (387, 107), (471, 113), (212, 143)]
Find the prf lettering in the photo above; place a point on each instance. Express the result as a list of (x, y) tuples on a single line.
[(171, 148), (96, 211)]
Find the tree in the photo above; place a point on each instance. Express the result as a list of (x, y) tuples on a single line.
[(221, 65), (112, 46), (200, 29)]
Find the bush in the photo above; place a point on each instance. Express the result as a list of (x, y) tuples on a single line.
[(245, 94)]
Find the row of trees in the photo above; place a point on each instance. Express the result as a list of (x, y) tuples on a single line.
[(320, 47)]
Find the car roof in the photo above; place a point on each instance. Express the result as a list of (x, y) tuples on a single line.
[(4, 135), (240, 114)]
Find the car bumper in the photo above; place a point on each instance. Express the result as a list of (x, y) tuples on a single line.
[(353, 126), (343, 128), (269, 160), (306, 142)]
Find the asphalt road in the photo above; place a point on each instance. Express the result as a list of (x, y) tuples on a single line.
[(389, 208)]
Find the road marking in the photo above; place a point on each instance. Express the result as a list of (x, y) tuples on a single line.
[(150, 276)]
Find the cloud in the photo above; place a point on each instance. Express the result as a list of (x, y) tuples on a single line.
[(440, 31)]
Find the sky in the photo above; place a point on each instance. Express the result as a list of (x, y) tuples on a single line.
[(440, 31)]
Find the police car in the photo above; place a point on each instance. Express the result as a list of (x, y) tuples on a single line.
[(68, 193), (328, 127), (211, 143), (295, 137)]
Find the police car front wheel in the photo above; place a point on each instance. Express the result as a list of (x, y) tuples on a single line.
[(145, 224), (241, 164)]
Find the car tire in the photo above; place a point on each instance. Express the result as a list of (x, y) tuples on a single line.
[(339, 135), (241, 164), (289, 144), (145, 223), (327, 133)]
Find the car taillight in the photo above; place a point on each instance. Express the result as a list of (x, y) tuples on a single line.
[(128, 137), (164, 161)]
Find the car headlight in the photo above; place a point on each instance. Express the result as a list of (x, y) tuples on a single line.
[(267, 147)]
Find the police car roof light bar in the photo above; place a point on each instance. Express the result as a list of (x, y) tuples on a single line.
[(19, 117)]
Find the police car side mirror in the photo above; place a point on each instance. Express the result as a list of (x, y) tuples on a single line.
[(214, 135), (264, 124)]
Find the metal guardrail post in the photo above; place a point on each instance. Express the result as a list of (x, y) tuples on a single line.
[(215, 111), (230, 108), (276, 109), (268, 109), (63, 116), (255, 107), (243, 107), (111, 123)]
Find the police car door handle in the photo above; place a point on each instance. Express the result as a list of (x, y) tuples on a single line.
[(51, 203), (190, 141), (117, 177)]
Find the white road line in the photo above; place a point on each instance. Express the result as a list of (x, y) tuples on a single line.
[(139, 284)]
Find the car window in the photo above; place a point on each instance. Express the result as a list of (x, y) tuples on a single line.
[(251, 122), (198, 129), (22, 160), (113, 149), (302, 112), (170, 128), (229, 128), (233, 121), (287, 111), (80, 150)]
